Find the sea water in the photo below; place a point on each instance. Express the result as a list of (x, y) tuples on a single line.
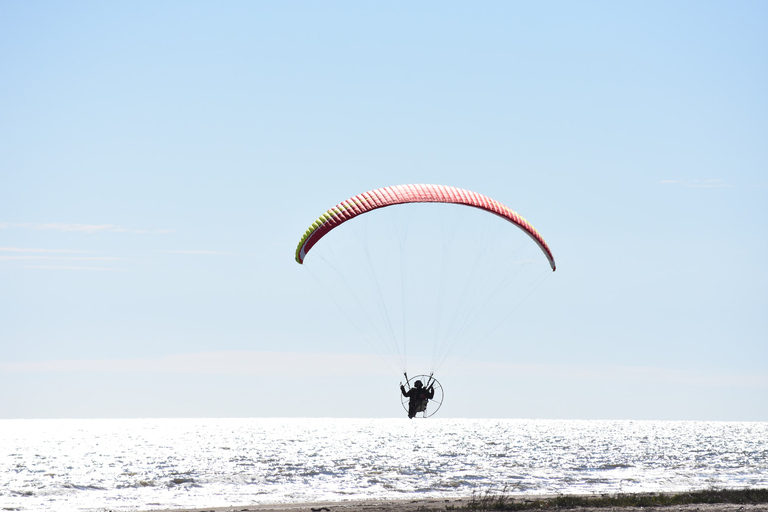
[(143, 464)]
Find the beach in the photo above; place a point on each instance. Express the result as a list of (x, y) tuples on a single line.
[(417, 505), (393, 505)]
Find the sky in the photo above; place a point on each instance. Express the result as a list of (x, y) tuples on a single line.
[(159, 162)]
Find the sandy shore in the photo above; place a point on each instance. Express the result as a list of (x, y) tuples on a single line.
[(336, 506), (423, 505)]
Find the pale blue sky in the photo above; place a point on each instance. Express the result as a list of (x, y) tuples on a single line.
[(159, 161)]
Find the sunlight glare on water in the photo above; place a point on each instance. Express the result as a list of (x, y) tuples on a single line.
[(141, 464)]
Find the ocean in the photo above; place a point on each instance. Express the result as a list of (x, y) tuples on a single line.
[(142, 464)]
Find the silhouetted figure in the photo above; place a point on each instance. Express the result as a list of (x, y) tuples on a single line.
[(418, 397)]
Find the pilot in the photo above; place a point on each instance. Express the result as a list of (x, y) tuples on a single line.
[(418, 396)]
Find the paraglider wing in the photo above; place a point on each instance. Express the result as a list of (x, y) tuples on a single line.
[(401, 194)]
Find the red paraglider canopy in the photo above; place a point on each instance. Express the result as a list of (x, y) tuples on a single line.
[(401, 194)]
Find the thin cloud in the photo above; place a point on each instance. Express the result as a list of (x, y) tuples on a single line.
[(716, 183), (70, 258), (63, 267), (24, 249), (708, 184), (55, 255), (219, 253), (82, 228), (270, 364), (615, 373)]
